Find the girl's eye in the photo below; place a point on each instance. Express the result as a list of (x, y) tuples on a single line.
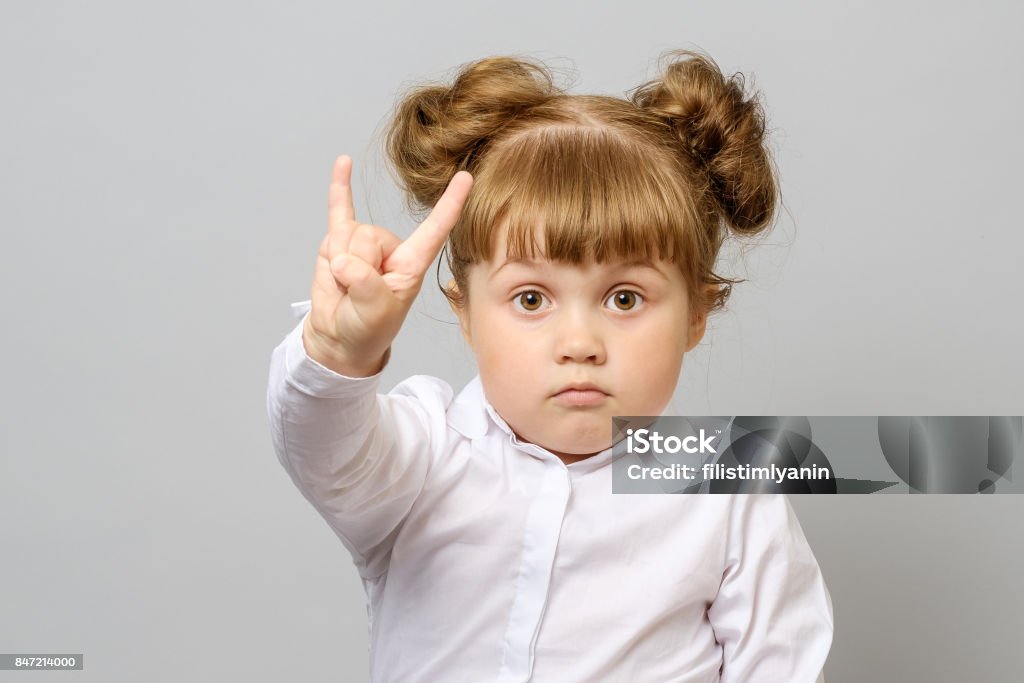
[(625, 300), (530, 300)]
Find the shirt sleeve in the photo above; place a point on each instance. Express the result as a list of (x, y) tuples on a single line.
[(360, 458), (773, 612)]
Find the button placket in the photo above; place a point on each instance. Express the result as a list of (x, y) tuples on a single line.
[(540, 540)]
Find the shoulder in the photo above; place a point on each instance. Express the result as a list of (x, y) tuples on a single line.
[(766, 523), (760, 512), (425, 387), (431, 395), (465, 412)]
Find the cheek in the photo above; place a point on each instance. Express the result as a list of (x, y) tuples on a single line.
[(493, 348), (659, 345), (503, 359), (508, 383), (654, 363)]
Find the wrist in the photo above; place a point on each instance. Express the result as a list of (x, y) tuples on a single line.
[(332, 356)]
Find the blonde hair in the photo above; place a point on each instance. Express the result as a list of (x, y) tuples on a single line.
[(660, 174)]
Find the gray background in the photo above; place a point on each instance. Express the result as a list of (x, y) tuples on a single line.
[(164, 193)]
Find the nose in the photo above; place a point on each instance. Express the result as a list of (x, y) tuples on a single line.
[(579, 339)]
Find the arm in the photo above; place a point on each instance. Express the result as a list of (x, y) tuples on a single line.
[(360, 459), (773, 612)]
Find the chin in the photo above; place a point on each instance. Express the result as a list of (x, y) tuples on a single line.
[(583, 446)]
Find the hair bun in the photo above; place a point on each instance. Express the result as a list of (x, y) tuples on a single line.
[(721, 129), (439, 129)]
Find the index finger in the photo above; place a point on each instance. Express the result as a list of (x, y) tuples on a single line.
[(339, 197), (426, 241)]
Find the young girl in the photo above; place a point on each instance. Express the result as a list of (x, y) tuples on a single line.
[(582, 235)]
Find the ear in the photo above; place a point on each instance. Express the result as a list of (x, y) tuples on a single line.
[(461, 312), (698, 319)]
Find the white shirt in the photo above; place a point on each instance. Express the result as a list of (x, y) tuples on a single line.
[(485, 558)]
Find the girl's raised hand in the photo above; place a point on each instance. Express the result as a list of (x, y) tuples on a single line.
[(366, 278)]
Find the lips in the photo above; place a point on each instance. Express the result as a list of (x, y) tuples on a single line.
[(581, 386), (580, 394)]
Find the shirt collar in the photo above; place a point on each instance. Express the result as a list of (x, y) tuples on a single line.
[(468, 412)]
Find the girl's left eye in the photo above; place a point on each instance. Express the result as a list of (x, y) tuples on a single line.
[(625, 300), (529, 300)]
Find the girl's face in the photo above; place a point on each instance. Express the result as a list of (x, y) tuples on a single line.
[(540, 327)]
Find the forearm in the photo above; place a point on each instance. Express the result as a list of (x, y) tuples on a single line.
[(319, 421), (356, 456)]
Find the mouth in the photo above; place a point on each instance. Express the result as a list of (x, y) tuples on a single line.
[(580, 394)]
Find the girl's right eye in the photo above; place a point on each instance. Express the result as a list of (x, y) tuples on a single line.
[(529, 301)]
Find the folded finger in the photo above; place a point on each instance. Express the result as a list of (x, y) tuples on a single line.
[(364, 285), (372, 244)]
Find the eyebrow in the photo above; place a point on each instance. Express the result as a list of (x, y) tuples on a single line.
[(533, 263)]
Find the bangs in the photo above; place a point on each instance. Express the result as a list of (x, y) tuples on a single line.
[(569, 193)]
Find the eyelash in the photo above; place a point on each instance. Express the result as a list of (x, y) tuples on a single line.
[(638, 298)]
